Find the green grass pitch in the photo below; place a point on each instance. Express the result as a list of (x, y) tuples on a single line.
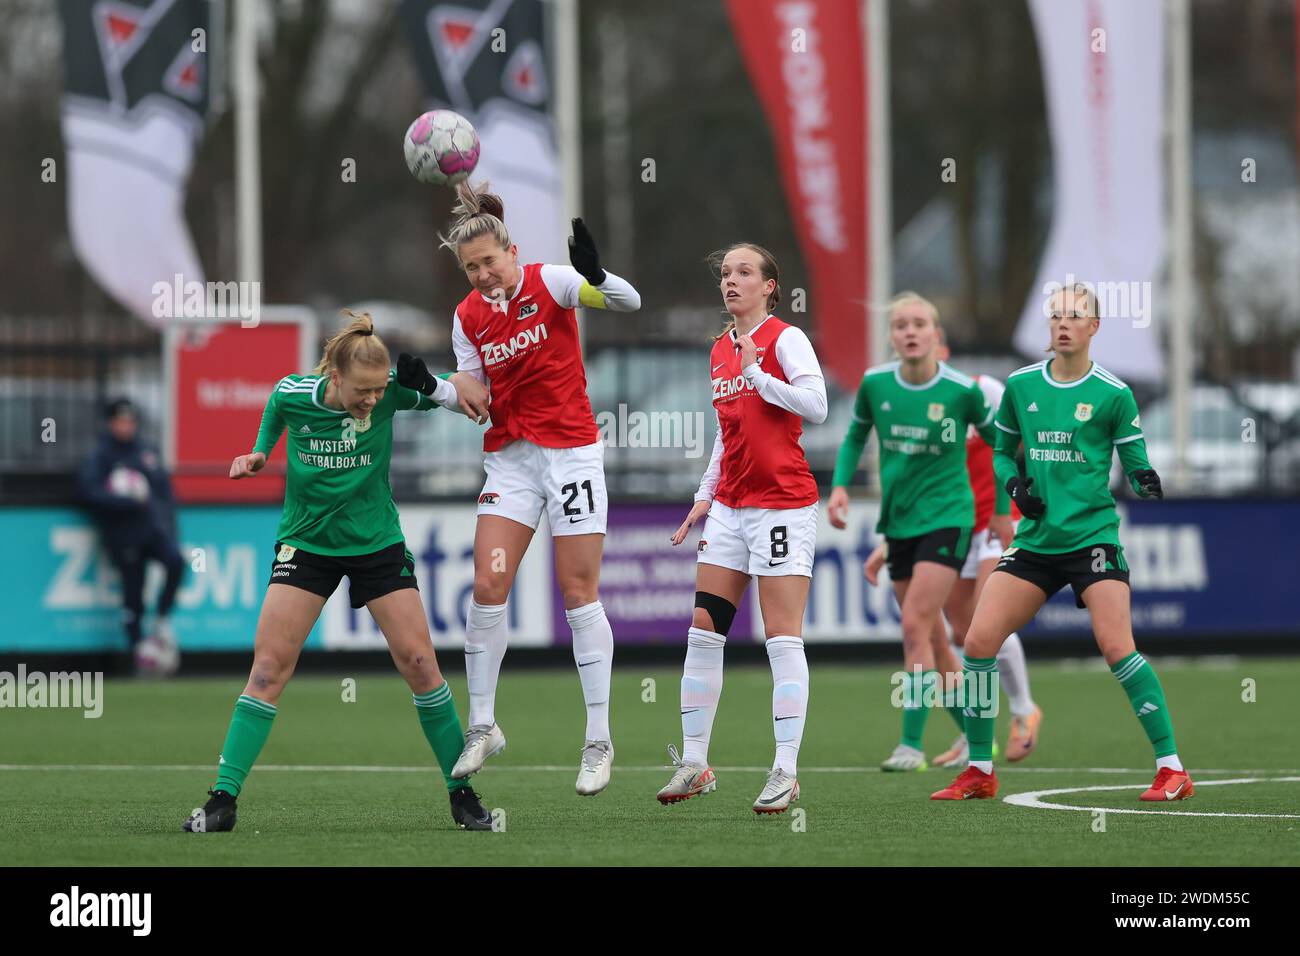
[(353, 782)]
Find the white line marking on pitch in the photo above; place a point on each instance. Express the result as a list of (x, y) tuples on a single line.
[(566, 768), (1034, 799)]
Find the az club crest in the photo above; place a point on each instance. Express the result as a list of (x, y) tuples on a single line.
[(526, 311), (935, 412), (1083, 411)]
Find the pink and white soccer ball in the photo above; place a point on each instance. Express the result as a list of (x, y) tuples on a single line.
[(128, 483), (441, 148)]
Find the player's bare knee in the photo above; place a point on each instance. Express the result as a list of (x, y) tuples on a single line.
[(978, 644), (1114, 648), (491, 589), (267, 678), (703, 620), (421, 672), (778, 629), (579, 595), (917, 629)]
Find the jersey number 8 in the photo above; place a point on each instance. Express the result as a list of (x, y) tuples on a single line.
[(780, 543)]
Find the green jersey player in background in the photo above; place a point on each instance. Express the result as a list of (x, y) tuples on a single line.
[(339, 519), (1071, 415), (921, 409)]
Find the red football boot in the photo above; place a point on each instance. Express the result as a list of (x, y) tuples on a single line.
[(971, 784), (1169, 785)]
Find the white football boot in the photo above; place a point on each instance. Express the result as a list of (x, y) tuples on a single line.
[(481, 742), (156, 657), (779, 792), (168, 651), (688, 780), (904, 758), (593, 772), (958, 755)]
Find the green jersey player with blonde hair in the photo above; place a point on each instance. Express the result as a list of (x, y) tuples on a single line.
[(1071, 416), (339, 520), (921, 409)]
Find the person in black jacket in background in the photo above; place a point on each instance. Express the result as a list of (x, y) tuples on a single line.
[(130, 496)]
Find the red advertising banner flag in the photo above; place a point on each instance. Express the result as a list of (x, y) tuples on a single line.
[(219, 378), (807, 63)]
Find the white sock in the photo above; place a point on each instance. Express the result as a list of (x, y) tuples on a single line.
[(485, 646), (701, 690), (593, 652), (984, 765), (789, 699), (1172, 762), (1015, 676)]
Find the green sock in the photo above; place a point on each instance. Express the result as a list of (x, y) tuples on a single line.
[(1139, 680), (442, 729), (979, 728), (950, 705), (915, 711), (249, 728)]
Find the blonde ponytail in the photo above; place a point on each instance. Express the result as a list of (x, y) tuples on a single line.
[(357, 343), (478, 212)]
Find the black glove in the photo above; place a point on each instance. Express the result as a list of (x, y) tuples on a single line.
[(413, 373), (1146, 483), (583, 254), (1031, 506)]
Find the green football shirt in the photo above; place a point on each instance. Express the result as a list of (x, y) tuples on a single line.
[(922, 430), (337, 499), (1070, 431)]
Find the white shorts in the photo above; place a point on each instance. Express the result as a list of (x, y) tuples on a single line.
[(569, 483), (765, 541), (983, 545)]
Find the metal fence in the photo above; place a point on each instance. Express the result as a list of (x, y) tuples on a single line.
[(652, 403), (56, 375)]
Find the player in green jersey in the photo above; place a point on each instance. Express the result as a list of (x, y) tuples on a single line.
[(1071, 416), (339, 519), (920, 409)]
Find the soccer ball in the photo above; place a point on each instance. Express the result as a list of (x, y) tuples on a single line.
[(441, 148), (128, 483)]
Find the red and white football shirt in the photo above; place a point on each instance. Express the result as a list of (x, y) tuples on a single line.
[(527, 346), (763, 464), (979, 459)]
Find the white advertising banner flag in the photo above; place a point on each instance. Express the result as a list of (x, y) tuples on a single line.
[(1103, 70)]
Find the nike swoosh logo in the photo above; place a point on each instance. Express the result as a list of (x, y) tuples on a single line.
[(473, 652), (576, 520), (479, 335), (588, 662), (716, 367), (776, 564), (1173, 795), (685, 712), (777, 797), (791, 717)]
